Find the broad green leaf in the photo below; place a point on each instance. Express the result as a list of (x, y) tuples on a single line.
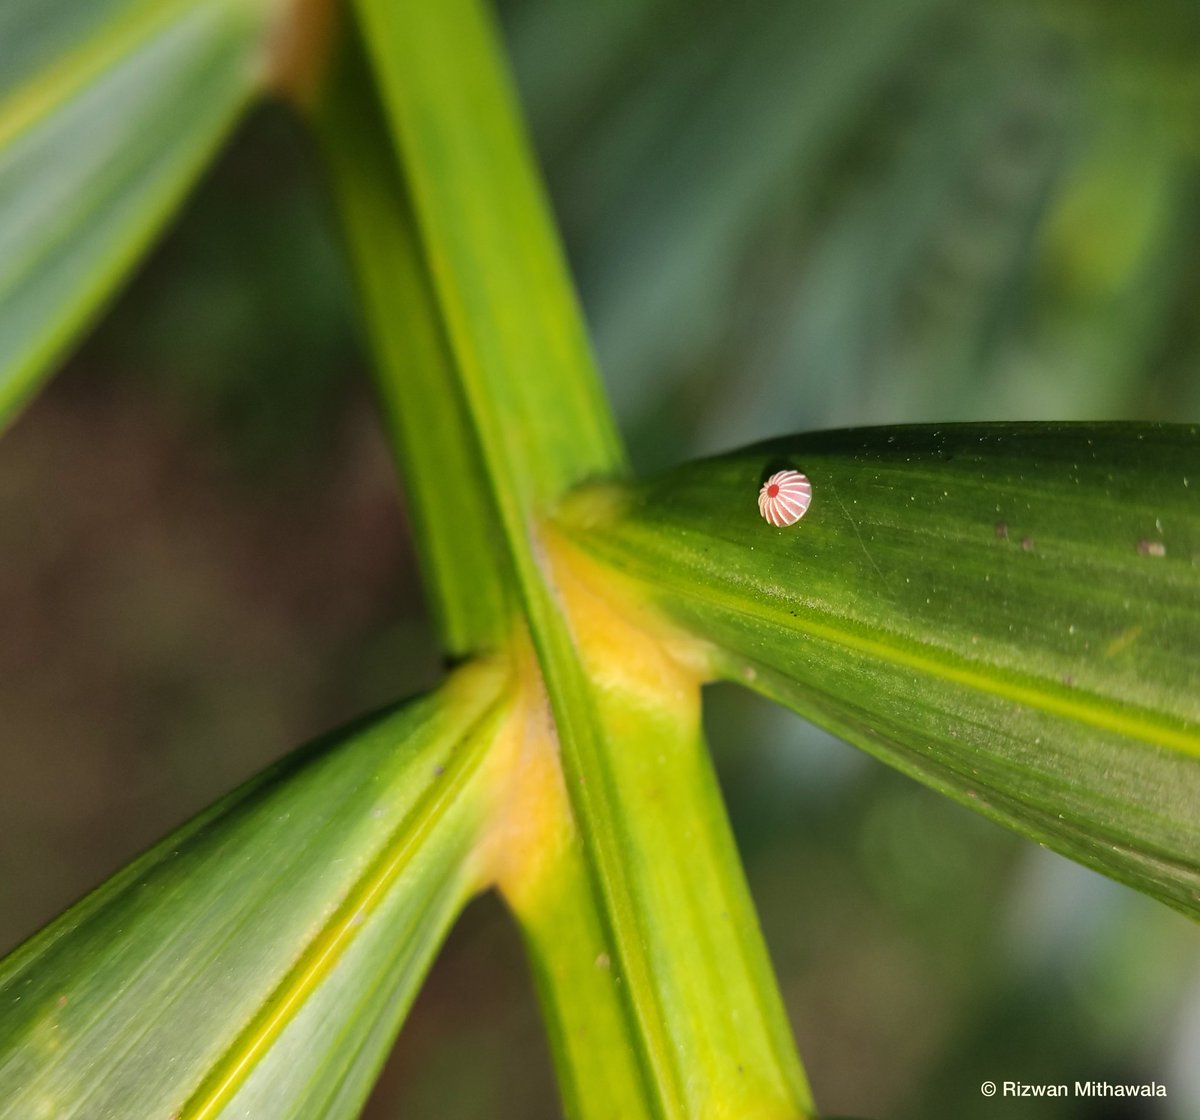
[(259, 961), (531, 396), (1010, 613), (456, 525), (108, 112)]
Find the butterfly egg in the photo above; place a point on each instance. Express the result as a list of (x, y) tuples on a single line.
[(784, 498)]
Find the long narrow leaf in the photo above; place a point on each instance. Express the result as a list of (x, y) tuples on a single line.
[(543, 875), (267, 951), (1010, 613), (108, 111), (532, 399), (457, 527), (513, 321), (709, 984)]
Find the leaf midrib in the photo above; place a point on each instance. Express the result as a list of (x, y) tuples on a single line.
[(330, 942), (1118, 717)]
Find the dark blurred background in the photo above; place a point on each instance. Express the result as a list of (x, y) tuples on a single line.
[(782, 215)]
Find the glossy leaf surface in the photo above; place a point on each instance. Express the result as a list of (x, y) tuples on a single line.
[(1010, 613)]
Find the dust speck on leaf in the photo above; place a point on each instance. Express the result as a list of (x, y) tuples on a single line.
[(1122, 641)]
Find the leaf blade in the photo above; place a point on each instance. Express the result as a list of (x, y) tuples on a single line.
[(269, 913), (97, 145), (541, 427), (471, 584), (991, 608), (513, 320)]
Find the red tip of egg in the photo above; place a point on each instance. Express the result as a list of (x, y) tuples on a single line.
[(785, 498)]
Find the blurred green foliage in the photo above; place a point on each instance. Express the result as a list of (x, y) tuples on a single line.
[(782, 215)]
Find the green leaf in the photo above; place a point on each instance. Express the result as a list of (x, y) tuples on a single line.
[(512, 318), (570, 954), (260, 960), (108, 111), (541, 425), (680, 938), (1010, 613), (456, 525)]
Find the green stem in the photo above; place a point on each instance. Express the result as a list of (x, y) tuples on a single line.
[(699, 1007)]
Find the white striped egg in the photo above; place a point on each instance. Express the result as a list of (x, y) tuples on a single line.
[(785, 498)]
